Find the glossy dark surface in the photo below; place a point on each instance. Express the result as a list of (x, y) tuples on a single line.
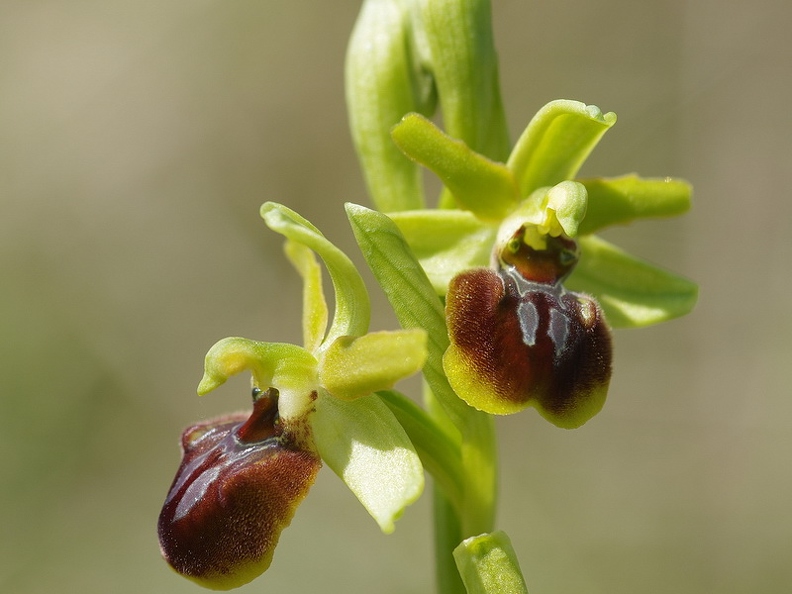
[(238, 485), (522, 339)]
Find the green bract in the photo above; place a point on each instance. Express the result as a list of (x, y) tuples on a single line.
[(488, 565), (408, 56), (456, 428), (535, 185)]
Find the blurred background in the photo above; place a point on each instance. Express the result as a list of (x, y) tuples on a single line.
[(137, 141)]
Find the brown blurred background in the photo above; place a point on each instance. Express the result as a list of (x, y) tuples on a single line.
[(137, 141)]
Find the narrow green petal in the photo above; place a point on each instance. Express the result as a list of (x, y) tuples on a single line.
[(411, 295), (480, 185), (631, 291), (314, 305), (289, 368), (368, 449), (384, 81), (446, 242), (352, 311), (352, 367), (488, 565), (556, 142), (619, 200)]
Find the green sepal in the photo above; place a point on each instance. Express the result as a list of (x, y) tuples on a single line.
[(314, 318), (289, 368), (353, 309), (410, 294), (619, 200), (489, 565), (446, 242), (632, 292), (365, 445), (478, 184), (384, 80), (352, 367), (556, 142)]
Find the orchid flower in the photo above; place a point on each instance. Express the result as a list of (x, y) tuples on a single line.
[(241, 478), (528, 286)]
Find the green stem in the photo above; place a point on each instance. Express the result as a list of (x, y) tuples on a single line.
[(463, 470), (479, 468), (476, 514), (447, 536)]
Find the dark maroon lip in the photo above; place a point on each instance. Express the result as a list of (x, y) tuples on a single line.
[(527, 337), (238, 485)]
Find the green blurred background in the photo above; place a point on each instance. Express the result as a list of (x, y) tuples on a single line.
[(137, 141)]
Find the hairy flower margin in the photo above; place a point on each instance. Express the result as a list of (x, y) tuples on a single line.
[(241, 477)]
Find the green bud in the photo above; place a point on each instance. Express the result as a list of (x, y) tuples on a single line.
[(384, 81), (488, 565), (464, 65), (403, 57)]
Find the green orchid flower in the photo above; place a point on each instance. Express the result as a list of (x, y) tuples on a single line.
[(550, 151), (525, 280), (241, 479)]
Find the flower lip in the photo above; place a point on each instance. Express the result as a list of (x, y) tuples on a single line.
[(517, 343), (239, 483)]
